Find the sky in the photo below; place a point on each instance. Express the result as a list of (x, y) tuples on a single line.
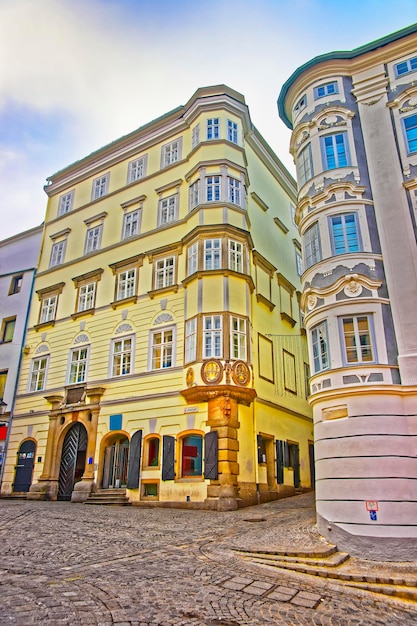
[(77, 74)]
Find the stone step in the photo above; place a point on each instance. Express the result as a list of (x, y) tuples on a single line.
[(316, 552), (115, 497), (333, 560)]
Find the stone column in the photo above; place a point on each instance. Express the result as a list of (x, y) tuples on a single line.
[(223, 417)]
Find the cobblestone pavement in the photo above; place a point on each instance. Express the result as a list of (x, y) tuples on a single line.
[(77, 565)]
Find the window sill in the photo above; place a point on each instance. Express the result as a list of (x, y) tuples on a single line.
[(287, 318), (44, 325), (265, 301), (118, 303), (155, 292), (79, 314)]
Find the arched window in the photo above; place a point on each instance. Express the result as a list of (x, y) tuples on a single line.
[(191, 456), (151, 458)]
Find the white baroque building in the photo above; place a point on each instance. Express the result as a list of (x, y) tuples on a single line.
[(354, 141)]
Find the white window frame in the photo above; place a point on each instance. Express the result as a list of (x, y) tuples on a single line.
[(168, 210), (406, 138), (232, 131), (66, 202), (122, 356), (48, 309), (332, 85), (411, 66), (300, 104), (195, 136), (93, 238), (235, 255), (86, 297), (164, 272), (325, 156), (238, 338), (213, 254), (234, 190), (137, 169), (213, 128), (213, 188), (100, 187), (190, 340), (126, 283), (194, 194), (192, 259), (320, 357), (357, 345), (304, 164), (299, 263), (58, 253), (312, 246), (38, 374), (171, 153), (162, 354), (78, 366), (212, 336), (131, 223)]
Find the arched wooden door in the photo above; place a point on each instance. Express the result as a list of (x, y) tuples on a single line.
[(24, 466), (73, 457)]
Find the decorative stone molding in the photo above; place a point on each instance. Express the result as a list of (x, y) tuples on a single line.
[(351, 284)]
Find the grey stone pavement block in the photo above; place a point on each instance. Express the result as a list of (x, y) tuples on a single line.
[(64, 564)]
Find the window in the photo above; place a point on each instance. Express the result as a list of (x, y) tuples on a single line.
[(192, 261), (93, 239), (171, 153), (292, 211), (410, 65), (3, 380), (164, 272), (320, 347), (137, 169), (325, 90), (168, 210), (357, 339), (151, 457), (290, 378), (78, 365), (191, 456), (234, 190), (312, 247), (86, 297), (212, 254), (301, 104), (213, 128), (65, 203), (335, 151), (410, 129), (122, 350), (57, 253), (126, 284), (238, 338), (8, 327), (212, 188), (212, 336), (16, 284), (232, 131), (37, 379), (131, 223), (100, 187), (48, 309), (344, 233), (191, 340), (195, 136), (299, 263), (194, 193), (235, 256), (162, 349), (304, 165)]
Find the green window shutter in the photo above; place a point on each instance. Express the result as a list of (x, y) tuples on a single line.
[(133, 469), (211, 455), (168, 457), (279, 446)]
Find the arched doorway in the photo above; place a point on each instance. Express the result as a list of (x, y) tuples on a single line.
[(73, 457), (116, 457), (24, 466)]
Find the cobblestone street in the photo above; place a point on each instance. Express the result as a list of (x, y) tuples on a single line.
[(73, 565)]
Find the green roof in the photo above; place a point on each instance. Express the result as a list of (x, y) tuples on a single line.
[(344, 54)]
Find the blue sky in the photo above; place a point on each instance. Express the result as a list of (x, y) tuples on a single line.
[(77, 74)]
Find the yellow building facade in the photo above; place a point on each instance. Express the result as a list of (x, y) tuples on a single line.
[(165, 353)]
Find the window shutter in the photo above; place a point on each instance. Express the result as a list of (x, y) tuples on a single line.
[(211, 455), (286, 454), (259, 446), (133, 469), (168, 457), (296, 465), (279, 445)]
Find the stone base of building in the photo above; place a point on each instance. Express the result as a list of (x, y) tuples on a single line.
[(82, 490), (43, 490), (376, 548)]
